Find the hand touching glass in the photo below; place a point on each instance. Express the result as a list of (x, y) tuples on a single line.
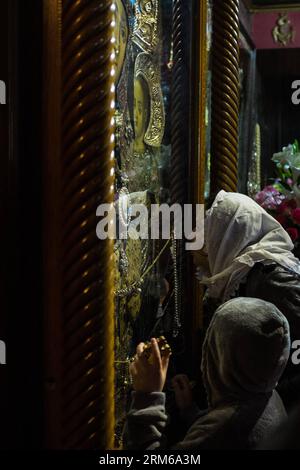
[(149, 375)]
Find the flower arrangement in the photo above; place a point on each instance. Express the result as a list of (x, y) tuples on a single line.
[(282, 198)]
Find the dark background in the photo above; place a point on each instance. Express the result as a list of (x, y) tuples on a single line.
[(4, 209), (21, 210), (278, 116)]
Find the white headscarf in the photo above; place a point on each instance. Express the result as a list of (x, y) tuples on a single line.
[(238, 234)]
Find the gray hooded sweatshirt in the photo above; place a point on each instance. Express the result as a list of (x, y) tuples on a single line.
[(245, 352)]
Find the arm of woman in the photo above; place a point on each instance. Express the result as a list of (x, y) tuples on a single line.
[(147, 418), (146, 422)]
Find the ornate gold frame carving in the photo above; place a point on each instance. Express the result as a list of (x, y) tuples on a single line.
[(283, 32), (147, 23), (145, 67)]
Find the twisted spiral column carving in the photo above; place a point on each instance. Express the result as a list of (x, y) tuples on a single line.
[(225, 95), (87, 181), (180, 129), (180, 116)]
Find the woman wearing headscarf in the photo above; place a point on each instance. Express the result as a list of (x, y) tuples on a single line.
[(244, 354), (250, 254)]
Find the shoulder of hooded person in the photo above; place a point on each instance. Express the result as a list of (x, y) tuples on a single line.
[(275, 284), (230, 427), (209, 431)]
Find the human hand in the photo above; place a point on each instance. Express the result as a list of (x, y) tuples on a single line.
[(183, 392), (149, 375)]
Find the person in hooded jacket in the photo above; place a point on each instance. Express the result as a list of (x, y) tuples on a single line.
[(245, 352), (248, 253)]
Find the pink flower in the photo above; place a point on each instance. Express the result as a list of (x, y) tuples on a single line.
[(269, 198), (296, 216), (293, 233)]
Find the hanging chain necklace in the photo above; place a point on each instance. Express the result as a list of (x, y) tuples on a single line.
[(177, 320)]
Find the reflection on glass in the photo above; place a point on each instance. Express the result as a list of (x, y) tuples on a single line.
[(144, 285), (208, 101)]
